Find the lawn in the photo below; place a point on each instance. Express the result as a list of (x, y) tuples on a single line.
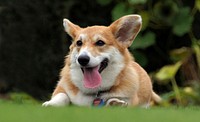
[(10, 112)]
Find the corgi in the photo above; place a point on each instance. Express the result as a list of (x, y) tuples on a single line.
[(99, 69)]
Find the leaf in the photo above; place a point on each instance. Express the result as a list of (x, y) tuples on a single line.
[(140, 58), (197, 4), (165, 11), (196, 47), (144, 41), (168, 72), (104, 2), (180, 54), (137, 1), (182, 22), (145, 19), (120, 10)]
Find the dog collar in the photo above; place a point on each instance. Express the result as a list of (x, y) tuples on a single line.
[(98, 101)]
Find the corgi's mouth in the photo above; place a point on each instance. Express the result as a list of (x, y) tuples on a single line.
[(101, 67), (91, 75)]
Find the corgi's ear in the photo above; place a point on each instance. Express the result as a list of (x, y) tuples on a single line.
[(70, 28), (126, 29)]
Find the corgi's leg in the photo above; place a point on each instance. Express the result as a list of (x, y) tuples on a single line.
[(116, 102), (59, 98), (134, 100), (121, 97)]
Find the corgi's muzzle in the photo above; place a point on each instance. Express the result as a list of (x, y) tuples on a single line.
[(84, 60), (91, 74)]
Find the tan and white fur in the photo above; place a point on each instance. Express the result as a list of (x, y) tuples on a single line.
[(122, 80)]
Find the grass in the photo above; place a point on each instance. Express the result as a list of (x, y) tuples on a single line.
[(10, 112)]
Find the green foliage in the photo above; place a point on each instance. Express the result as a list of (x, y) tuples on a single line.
[(19, 98), (196, 48), (189, 96), (145, 19), (182, 22), (179, 18), (165, 12), (140, 57), (168, 72), (120, 10), (180, 54), (143, 41), (197, 4), (137, 1), (22, 98)]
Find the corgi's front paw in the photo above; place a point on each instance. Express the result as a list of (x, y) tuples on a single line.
[(60, 99), (116, 102), (47, 103)]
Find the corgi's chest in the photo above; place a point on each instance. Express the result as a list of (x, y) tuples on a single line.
[(82, 99)]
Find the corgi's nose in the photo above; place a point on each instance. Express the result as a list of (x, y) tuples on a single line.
[(83, 60)]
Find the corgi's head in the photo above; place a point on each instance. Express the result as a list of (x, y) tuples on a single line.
[(97, 52)]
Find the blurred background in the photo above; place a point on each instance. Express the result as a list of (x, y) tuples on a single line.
[(33, 44)]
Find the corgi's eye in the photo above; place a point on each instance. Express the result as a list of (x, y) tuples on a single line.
[(79, 43), (100, 43)]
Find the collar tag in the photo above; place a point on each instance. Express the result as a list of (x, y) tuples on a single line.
[(98, 102)]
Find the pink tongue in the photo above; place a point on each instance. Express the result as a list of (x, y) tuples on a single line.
[(92, 78)]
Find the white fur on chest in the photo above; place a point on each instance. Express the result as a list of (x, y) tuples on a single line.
[(80, 98)]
